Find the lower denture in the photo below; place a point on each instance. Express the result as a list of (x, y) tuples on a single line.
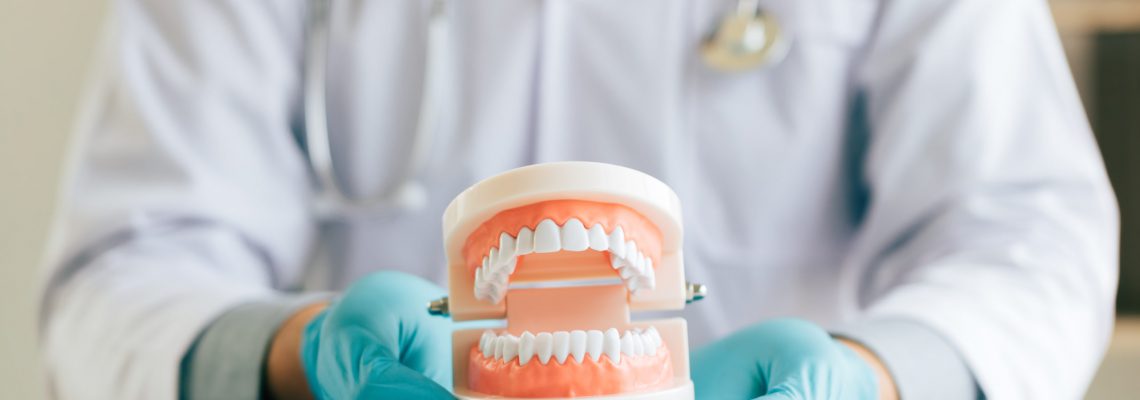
[(572, 377)]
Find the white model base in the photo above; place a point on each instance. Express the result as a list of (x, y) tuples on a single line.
[(681, 391)]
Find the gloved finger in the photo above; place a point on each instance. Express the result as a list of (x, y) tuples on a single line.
[(393, 305), (425, 340), (393, 292), (400, 382), (428, 350), (720, 377), (727, 372)]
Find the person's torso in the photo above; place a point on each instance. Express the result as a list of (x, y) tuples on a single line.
[(765, 161)]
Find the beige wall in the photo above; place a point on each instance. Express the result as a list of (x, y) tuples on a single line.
[(44, 53)]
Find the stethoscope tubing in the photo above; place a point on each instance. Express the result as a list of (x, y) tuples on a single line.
[(332, 201)]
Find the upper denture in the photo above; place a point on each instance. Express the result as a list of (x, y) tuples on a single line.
[(492, 250)]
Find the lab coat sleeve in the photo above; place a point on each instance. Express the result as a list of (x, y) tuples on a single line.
[(989, 215), (229, 357), (185, 195)]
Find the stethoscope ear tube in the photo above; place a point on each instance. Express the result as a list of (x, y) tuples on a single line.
[(316, 116)]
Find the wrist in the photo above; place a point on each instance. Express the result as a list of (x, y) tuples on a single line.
[(284, 375), (886, 384)]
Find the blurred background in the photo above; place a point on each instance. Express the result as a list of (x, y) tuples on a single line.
[(45, 49)]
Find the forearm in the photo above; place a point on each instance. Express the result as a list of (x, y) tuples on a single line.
[(284, 372), (910, 360), (887, 389)]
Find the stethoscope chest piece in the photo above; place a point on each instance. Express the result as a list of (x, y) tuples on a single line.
[(745, 40)]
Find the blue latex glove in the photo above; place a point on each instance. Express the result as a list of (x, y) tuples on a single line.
[(378, 342), (781, 359)]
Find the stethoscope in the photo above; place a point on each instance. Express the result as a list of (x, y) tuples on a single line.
[(747, 38)]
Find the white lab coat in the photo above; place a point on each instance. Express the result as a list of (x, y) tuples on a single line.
[(927, 160)]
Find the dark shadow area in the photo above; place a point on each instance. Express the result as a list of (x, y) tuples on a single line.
[(1117, 125)]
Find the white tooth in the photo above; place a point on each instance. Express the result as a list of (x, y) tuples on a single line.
[(578, 342), (485, 293), (632, 284), (630, 251), (524, 243), (510, 348), (594, 341), (616, 261), (648, 277), (617, 242), (638, 345), (486, 265), (547, 237), (485, 348), (654, 335), (574, 237), (611, 345), (543, 346), (493, 258), (648, 345), (639, 262), (561, 346), (488, 290), (493, 348), (509, 267), (506, 248), (485, 343), (500, 342), (488, 283), (598, 239), (497, 293), (627, 346), (625, 272), (526, 347), (478, 282), (488, 348), (483, 289)]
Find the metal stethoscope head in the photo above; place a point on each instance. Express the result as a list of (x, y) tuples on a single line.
[(747, 38)]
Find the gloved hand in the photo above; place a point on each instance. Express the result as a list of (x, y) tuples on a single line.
[(378, 342), (781, 359)]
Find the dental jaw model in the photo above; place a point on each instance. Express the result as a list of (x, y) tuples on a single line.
[(564, 252)]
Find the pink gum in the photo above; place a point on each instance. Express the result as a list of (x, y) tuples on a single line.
[(570, 379)]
